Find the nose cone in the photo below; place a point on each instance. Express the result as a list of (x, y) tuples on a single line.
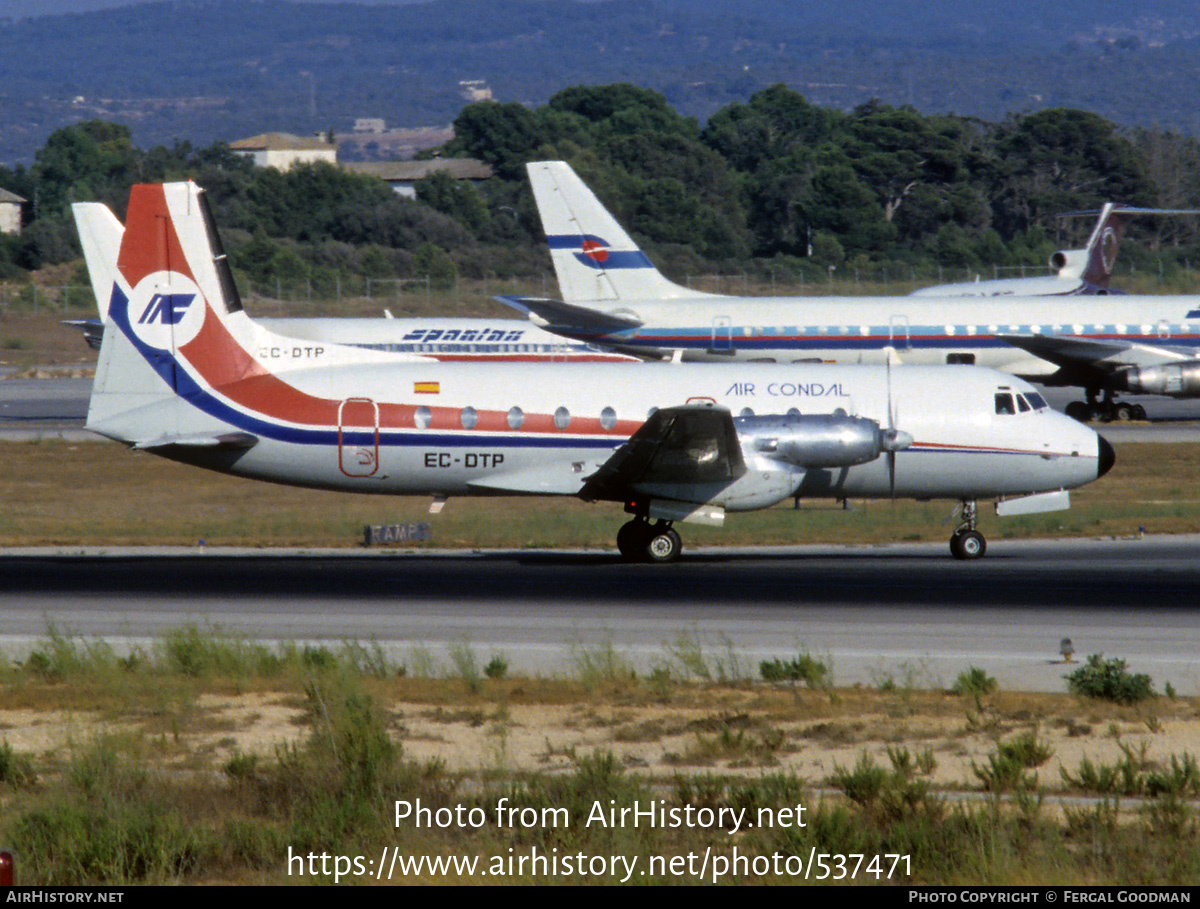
[(1108, 457)]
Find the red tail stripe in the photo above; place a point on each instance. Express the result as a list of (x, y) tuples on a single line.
[(150, 243)]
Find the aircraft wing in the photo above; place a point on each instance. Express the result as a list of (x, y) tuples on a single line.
[(678, 450), (570, 319), (1107, 356)]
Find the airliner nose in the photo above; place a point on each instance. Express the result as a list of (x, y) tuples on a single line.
[(1108, 458)]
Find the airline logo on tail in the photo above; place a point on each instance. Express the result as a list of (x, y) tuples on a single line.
[(596, 252), (165, 304), (166, 308)]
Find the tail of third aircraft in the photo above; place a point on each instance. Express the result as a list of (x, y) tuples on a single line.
[(594, 258)]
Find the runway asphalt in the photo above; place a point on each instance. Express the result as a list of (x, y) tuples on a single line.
[(907, 612)]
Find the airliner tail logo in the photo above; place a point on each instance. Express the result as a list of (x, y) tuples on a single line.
[(166, 309)]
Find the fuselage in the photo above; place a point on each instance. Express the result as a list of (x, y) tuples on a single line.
[(455, 429), (927, 331), (450, 339)]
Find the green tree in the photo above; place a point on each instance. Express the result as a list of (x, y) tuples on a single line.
[(457, 198), (1064, 160), (93, 161)]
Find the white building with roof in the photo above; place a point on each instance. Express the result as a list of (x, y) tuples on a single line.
[(10, 212), (283, 150)]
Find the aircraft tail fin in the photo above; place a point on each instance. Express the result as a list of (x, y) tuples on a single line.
[(594, 258), (1101, 249), (169, 291), (1095, 266), (100, 234)]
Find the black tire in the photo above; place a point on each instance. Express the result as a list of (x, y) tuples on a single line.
[(664, 545), (967, 545), (631, 540), (1124, 412), (1139, 412), (1077, 410)]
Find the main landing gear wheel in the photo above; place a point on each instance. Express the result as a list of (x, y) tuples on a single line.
[(638, 541), (967, 542), (664, 545), (632, 539)]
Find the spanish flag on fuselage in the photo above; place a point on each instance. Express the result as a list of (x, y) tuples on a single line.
[(427, 388)]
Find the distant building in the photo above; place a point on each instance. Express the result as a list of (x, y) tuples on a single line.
[(474, 90), (369, 125), (282, 150), (10, 212), (402, 175)]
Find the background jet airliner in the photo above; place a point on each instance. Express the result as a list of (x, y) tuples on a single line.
[(514, 340), (613, 295), (1076, 271), (179, 375)]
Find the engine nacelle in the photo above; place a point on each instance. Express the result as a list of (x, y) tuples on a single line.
[(817, 440), (1176, 380)]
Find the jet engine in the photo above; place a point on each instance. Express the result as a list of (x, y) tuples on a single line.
[(817, 440), (1176, 380)]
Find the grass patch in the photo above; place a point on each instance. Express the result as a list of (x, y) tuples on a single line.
[(148, 500)]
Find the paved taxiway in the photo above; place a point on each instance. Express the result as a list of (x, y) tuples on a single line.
[(906, 612)]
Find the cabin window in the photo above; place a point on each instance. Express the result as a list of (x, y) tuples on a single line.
[(1004, 403), (562, 418), (468, 418), (422, 417), (516, 417), (608, 419)]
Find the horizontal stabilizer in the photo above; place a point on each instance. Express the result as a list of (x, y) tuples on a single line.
[(569, 319), (93, 330), (238, 441)]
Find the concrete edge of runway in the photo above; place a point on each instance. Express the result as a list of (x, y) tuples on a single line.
[(382, 552)]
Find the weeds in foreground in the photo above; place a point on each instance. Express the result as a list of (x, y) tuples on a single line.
[(124, 808), (1109, 680)]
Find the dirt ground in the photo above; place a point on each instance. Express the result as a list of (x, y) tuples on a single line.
[(729, 731)]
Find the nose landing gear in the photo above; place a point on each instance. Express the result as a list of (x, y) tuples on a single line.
[(967, 543)]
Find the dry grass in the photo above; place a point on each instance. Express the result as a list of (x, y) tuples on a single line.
[(135, 498)]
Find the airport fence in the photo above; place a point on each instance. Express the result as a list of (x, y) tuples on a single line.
[(349, 294)]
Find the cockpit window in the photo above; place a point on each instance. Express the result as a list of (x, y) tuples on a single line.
[(1004, 403), (1038, 402), (1023, 405)]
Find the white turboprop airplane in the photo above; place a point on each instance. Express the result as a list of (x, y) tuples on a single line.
[(181, 374), (490, 340), (614, 296)]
